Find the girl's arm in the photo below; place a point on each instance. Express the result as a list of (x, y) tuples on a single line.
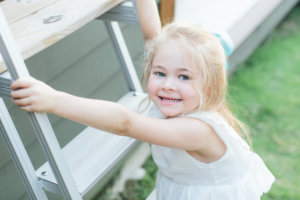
[(184, 133), (149, 18), (32, 95)]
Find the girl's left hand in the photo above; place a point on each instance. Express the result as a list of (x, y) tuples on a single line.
[(33, 95)]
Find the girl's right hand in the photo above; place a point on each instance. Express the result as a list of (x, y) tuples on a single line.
[(33, 95)]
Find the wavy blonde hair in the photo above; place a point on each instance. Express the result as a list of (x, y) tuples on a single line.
[(207, 55)]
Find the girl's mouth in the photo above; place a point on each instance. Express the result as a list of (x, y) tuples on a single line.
[(169, 100)]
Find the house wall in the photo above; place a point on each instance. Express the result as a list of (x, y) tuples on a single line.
[(83, 64)]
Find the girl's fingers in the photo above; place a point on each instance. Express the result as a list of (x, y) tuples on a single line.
[(28, 104), (27, 108), (22, 83), (31, 95), (22, 102), (20, 93)]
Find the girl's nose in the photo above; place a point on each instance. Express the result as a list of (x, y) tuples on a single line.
[(169, 84)]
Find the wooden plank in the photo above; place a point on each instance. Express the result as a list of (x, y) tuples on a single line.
[(167, 11), (50, 24), (250, 20), (17, 9), (253, 40)]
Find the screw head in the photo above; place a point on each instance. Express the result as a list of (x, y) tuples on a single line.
[(44, 173), (52, 19)]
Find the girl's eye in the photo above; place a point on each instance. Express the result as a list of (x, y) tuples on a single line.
[(160, 74), (184, 77)]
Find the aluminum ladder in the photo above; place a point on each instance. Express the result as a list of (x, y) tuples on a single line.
[(60, 174)]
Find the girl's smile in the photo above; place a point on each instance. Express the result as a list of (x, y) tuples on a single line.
[(169, 100), (171, 85)]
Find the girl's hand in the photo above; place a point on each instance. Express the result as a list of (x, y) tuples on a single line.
[(32, 95)]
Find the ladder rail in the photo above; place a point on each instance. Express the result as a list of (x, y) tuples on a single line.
[(123, 55), (5, 87), (19, 155), (12, 57), (16, 67), (125, 12)]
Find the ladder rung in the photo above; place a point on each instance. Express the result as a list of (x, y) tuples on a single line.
[(5, 75), (5, 82), (124, 13), (92, 153), (5, 93)]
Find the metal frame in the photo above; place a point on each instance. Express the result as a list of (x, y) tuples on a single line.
[(66, 185), (19, 155), (16, 67), (5, 87), (124, 13), (123, 55)]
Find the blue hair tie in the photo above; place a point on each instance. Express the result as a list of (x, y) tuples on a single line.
[(227, 44)]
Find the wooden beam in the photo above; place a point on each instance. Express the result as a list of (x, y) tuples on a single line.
[(53, 21), (15, 10), (167, 11)]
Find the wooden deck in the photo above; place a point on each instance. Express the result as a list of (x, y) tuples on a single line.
[(248, 22), (238, 18), (38, 24)]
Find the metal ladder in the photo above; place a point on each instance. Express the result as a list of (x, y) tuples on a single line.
[(58, 174)]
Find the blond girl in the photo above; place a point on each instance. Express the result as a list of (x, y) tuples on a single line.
[(195, 137)]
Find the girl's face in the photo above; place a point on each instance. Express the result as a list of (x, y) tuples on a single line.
[(171, 86)]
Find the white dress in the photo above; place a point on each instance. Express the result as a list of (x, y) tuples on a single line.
[(239, 174)]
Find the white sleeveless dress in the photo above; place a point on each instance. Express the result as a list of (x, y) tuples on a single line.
[(239, 174)]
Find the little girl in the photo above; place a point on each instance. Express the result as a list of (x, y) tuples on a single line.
[(194, 135)]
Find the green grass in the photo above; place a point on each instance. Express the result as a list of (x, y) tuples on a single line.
[(265, 92), (140, 190)]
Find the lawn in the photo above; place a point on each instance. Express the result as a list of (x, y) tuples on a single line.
[(264, 92)]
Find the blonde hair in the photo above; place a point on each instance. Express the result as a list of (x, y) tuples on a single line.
[(207, 54)]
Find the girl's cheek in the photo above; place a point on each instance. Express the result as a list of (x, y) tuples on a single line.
[(151, 88)]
